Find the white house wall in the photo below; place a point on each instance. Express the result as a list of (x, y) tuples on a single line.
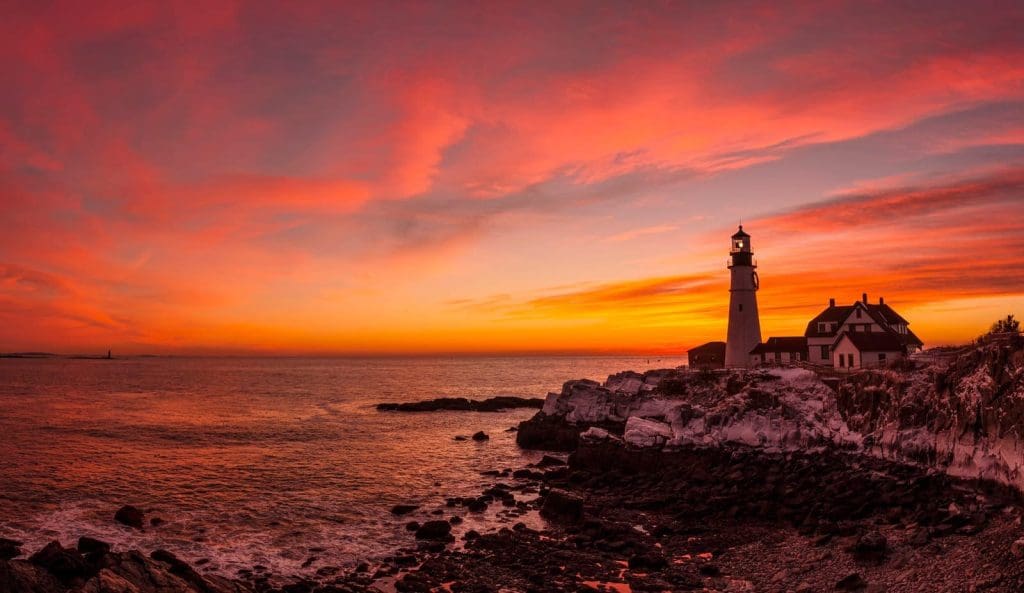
[(842, 351)]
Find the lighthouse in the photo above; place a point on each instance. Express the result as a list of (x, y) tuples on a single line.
[(744, 324)]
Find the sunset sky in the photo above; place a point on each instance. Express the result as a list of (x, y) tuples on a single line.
[(335, 177)]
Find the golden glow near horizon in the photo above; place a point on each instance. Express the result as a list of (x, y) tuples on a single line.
[(336, 178)]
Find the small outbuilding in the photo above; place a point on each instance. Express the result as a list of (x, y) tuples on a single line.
[(779, 351), (707, 356)]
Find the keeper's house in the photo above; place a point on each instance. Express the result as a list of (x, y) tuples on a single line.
[(860, 335)]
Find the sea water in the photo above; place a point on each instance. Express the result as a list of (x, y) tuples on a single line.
[(256, 461)]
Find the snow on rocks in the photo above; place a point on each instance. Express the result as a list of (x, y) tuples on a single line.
[(597, 434), (641, 432), (965, 418)]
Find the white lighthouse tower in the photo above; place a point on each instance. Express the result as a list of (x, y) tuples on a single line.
[(744, 323)]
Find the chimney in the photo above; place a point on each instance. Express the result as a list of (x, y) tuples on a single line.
[(881, 301), (831, 302), (864, 298)]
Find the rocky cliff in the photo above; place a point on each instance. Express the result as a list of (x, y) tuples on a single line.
[(964, 417)]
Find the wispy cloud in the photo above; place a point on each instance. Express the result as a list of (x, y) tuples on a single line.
[(641, 232)]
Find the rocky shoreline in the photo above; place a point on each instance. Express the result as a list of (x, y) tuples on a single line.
[(758, 481), (625, 519)]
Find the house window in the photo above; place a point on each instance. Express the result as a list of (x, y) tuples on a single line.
[(824, 352), (741, 307), (858, 328), (842, 360), (778, 357), (798, 356), (881, 358), (858, 313), (849, 360)]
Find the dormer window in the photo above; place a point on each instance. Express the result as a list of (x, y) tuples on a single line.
[(822, 327), (858, 313)]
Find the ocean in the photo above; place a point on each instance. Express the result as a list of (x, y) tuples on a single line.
[(257, 461)]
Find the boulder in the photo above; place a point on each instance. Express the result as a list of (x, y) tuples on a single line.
[(480, 436), (626, 382), (643, 432), (549, 461), (65, 564), (550, 433), (871, 546), (9, 548), (595, 434), (403, 509), (183, 571), (88, 545), (434, 530), (1017, 548), (19, 576), (131, 572), (853, 582), (130, 516), (649, 561), (560, 505), (107, 581)]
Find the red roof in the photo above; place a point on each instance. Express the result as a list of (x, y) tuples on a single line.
[(882, 314), (874, 341), (786, 344)]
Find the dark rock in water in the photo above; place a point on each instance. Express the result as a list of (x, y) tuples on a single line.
[(363, 567), (549, 461), (412, 525), (471, 535), (460, 438), (156, 521), (455, 520), (477, 506), (181, 569), (461, 404), (65, 564), (434, 530), (853, 582), (130, 516), (560, 505), (480, 436), (527, 474), (403, 509), (550, 433), (88, 545), (9, 548), (710, 570)]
